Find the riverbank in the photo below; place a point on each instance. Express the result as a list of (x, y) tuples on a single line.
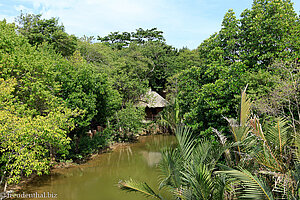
[(66, 164), (32, 179), (99, 176)]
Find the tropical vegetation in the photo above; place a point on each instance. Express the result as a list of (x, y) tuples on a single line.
[(63, 98), (260, 162)]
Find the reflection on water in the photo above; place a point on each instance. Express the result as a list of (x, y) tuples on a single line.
[(152, 158), (98, 178)]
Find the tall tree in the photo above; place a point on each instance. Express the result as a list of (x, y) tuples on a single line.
[(38, 30), (239, 54), (268, 32), (118, 40), (229, 37), (162, 64)]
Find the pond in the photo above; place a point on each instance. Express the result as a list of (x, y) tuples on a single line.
[(98, 178)]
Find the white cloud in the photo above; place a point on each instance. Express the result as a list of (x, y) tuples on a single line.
[(181, 20), (9, 19), (100, 17), (22, 8)]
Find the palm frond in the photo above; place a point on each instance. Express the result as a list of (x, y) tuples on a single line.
[(185, 141), (250, 186), (256, 127), (278, 134), (240, 129), (265, 158), (208, 153), (268, 156), (240, 132), (245, 107), (170, 166), (170, 116), (135, 186), (221, 137), (199, 179)]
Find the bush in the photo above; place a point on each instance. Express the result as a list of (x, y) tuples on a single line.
[(128, 121), (86, 145)]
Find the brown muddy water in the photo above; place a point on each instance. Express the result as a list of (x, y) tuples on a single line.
[(98, 178)]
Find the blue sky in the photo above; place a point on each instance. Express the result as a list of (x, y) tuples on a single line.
[(185, 23)]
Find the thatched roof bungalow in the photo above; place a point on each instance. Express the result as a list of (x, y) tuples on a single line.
[(153, 103)]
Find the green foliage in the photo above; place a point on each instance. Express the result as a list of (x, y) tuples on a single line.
[(133, 69), (162, 66), (186, 59), (282, 100), (147, 59), (128, 73), (240, 53), (240, 128), (118, 40), (134, 186), (126, 69), (249, 186), (85, 145), (46, 80), (38, 31), (188, 170), (96, 53), (82, 87), (296, 175), (170, 117), (203, 100), (27, 142), (263, 34), (266, 32), (128, 121), (265, 152), (45, 97), (36, 86)]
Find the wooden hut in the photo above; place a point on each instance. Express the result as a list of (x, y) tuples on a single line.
[(153, 103)]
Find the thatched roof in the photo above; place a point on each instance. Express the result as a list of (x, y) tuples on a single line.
[(152, 100)]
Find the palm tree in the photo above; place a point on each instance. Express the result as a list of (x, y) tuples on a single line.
[(269, 151), (188, 171), (267, 164), (170, 117)]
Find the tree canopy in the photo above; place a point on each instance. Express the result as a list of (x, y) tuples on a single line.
[(56, 89), (38, 30), (118, 40)]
